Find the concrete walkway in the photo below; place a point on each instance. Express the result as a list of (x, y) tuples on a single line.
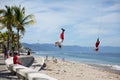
[(5, 74)]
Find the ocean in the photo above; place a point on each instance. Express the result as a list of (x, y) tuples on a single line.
[(109, 61)]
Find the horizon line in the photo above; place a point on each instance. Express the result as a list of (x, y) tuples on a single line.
[(70, 45)]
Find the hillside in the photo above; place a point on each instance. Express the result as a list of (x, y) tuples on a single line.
[(51, 47)]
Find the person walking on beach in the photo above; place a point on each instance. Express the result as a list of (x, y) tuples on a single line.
[(5, 53), (10, 53), (15, 59), (28, 53), (58, 43)]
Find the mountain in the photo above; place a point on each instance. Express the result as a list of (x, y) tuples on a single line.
[(51, 47)]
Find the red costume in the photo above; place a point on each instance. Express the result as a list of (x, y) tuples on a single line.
[(62, 36), (15, 58), (97, 44)]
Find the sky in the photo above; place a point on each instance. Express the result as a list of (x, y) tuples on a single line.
[(83, 20)]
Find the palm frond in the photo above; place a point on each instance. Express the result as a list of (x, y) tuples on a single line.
[(2, 27), (29, 22), (23, 31), (27, 17), (2, 11)]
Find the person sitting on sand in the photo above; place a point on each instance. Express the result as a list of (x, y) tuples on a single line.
[(58, 43), (55, 60), (15, 59), (46, 57)]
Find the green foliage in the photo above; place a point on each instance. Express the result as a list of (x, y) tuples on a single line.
[(13, 17)]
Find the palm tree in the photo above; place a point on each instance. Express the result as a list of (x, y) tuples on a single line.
[(20, 21), (14, 16), (6, 19), (3, 39)]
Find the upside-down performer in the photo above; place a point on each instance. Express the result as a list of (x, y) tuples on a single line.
[(97, 45), (58, 43)]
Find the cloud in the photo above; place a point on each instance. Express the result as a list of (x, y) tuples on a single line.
[(109, 18), (115, 7), (84, 20)]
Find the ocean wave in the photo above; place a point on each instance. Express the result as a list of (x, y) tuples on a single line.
[(108, 67), (117, 67)]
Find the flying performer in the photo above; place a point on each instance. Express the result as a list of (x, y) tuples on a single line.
[(58, 43), (97, 44)]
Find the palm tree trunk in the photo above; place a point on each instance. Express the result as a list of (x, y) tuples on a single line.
[(12, 44), (18, 41), (8, 39)]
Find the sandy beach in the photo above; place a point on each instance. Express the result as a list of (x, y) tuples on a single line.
[(64, 70)]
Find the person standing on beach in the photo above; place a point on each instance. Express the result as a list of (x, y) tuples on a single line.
[(58, 43), (5, 53), (10, 53), (28, 53)]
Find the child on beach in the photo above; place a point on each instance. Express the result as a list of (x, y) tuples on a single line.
[(58, 43)]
